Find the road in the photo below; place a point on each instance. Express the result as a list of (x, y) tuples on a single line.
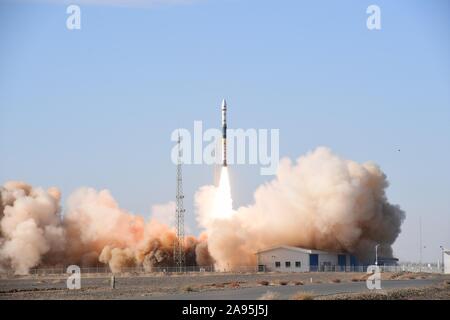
[(285, 292)]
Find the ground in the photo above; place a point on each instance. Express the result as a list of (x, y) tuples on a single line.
[(220, 286)]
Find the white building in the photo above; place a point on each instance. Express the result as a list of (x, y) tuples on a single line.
[(447, 261), (294, 259)]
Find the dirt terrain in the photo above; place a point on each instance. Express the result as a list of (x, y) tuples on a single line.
[(132, 286), (437, 292)]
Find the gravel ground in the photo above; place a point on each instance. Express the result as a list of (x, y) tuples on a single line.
[(129, 286), (441, 292)]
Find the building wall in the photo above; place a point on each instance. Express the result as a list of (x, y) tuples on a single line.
[(447, 262), (328, 259), (282, 255)]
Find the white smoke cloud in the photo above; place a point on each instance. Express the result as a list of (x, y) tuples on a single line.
[(30, 226), (95, 231), (321, 202), (164, 213)]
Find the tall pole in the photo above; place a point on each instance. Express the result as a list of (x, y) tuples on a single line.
[(376, 254), (442, 261), (178, 248), (420, 240)]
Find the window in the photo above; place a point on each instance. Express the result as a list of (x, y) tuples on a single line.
[(277, 264), (298, 264), (288, 264)]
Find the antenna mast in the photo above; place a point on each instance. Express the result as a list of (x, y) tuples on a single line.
[(178, 249)]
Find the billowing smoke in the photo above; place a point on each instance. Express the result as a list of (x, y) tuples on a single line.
[(95, 231), (321, 202), (29, 225)]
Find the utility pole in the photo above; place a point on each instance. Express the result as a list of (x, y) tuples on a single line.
[(178, 248), (376, 254), (420, 240)]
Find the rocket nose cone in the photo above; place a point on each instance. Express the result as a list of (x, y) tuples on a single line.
[(224, 103)]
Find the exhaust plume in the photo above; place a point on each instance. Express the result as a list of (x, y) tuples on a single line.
[(95, 231), (321, 202), (29, 225)]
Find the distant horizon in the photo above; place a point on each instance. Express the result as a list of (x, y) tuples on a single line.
[(96, 107)]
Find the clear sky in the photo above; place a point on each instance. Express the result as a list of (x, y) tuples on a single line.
[(96, 107)]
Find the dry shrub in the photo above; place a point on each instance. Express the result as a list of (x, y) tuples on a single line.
[(234, 284), (302, 296), (263, 283), (355, 279), (298, 283), (364, 277), (397, 275), (269, 295), (283, 283), (189, 289), (336, 280)]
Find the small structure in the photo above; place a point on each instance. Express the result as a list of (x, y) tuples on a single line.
[(387, 262), (294, 259), (446, 254)]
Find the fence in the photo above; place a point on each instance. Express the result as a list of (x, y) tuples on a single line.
[(412, 268), (140, 270), (396, 268), (131, 270)]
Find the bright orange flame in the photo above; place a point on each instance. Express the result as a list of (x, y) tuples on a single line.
[(223, 203)]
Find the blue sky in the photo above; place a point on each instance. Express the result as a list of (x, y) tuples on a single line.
[(96, 107)]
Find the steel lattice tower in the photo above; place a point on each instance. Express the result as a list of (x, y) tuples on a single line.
[(178, 249)]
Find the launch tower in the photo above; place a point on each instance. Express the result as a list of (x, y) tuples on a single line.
[(178, 248)]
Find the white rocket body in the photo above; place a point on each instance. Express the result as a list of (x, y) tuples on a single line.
[(224, 132)]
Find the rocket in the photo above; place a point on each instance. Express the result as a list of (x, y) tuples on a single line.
[(224, 132)]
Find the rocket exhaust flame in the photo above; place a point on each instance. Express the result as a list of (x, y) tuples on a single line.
[(223, 203)]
